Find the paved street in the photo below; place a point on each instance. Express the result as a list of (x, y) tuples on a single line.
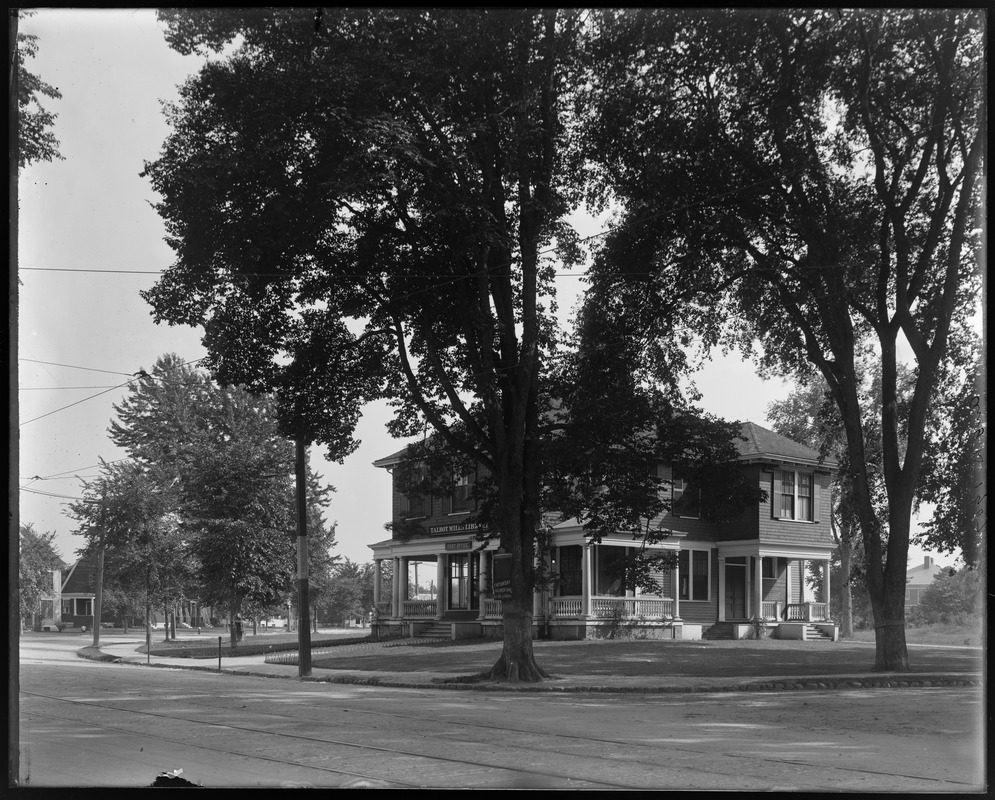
[(86, 723)]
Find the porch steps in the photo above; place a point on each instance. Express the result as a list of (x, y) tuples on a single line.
[(814, 633), (437, 630), (718, 631)]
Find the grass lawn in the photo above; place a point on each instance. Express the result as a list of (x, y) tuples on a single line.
[(625, 657), (971, 635), (769, 658)]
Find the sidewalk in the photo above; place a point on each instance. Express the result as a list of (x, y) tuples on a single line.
[(126, 653)]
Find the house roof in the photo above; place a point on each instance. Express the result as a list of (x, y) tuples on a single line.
[(80, 578), (392, 460), (759, 444), (924, 574)]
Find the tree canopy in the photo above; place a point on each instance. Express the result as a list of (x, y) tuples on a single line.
[(36, 140), (389, 226), (812, 179), (37, 557), (369, 203), (205, 503)]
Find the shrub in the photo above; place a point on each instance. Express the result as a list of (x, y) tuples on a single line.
[(952, 597)]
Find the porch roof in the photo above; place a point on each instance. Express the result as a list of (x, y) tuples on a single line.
[(752, 547)]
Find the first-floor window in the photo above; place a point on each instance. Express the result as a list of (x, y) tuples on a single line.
[(67, 607), (84, 607), (693, 566), (570, 571)]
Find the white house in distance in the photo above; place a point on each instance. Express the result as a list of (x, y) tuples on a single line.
[(918, 580)]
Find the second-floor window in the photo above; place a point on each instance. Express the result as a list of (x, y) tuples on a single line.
[(414, 501), (685, 497), (460, 500), (796, 495)]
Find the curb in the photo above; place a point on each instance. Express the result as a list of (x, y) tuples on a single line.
[(462, 684)]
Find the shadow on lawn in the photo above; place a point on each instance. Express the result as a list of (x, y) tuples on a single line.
[(652, 658)]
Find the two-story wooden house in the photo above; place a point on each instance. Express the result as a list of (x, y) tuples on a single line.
[(732, 579)]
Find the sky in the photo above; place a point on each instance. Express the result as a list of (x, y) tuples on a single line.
[(90, 241)]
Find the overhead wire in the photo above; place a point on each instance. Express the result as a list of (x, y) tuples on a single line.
[(98, 394)]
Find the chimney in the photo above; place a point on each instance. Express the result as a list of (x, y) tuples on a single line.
[(928, 562)]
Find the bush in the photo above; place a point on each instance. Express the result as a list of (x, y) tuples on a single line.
[(952, 598)]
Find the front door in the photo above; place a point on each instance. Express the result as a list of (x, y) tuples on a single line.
[(462, 582), (735, 591)]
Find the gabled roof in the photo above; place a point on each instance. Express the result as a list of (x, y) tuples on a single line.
[(80, 578), (764, 445), (924, 574)]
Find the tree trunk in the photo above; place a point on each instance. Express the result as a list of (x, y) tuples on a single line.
[(235, 612), (846, 623), (517, 661)]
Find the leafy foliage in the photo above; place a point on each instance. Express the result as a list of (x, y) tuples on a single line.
[(382, 223), (130, 511), (954, 472), (37, 557), (953, 597), (205, 507), (810, 181), (36, 141)]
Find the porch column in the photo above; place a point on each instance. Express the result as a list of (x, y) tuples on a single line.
[(440, 585), (395, 590), (801, 586), (481, 584), (403, 588), (537, 595), (675, 586), (757, 592), (825, 585), (722, 589), (376, 585), (586, 551)]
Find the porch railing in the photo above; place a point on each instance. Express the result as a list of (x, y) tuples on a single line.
[(807, 612), (771, 609), (420, 609), (492, 608), (602, 607), (564, 607)]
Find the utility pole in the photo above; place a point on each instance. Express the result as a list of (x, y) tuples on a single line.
[(304, 628), (13, 432), (98, 601)]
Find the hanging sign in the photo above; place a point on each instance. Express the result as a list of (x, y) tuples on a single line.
[(501, 583), (467, 545)]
